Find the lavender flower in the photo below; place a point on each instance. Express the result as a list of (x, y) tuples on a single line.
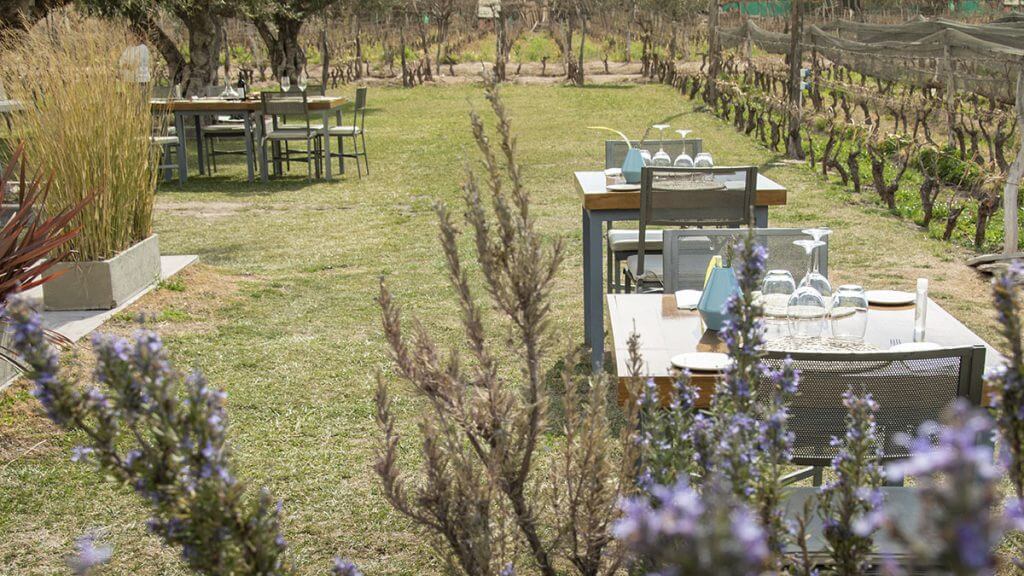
[(850, 507), (345, 568), (166, 444), (665, 438), (1008, 380), (959, 529), (680, 532), (89, 555)]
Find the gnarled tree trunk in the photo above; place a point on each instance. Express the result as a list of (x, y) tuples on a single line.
[(282, 40)]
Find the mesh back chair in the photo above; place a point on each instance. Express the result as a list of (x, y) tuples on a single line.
[(357, 132), (689, 197), (615, 150), (911, 388), (279, 105), (687, 253), (223, 127), (622, 243), (165, 136)]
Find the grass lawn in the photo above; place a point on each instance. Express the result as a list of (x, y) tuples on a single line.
[(281, 314)]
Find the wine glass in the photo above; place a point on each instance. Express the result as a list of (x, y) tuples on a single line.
[(646, 156), (303, 80), (704, 160), (684, 160), (849, 313), (683, 133), (806, 312), (286, 82), (814, 275), (661, 158)]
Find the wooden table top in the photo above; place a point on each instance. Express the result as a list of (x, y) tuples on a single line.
[(666, 331), (592, 186), (316, 104)]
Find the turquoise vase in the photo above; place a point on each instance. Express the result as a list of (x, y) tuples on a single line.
[(721, 285), (632, 165)]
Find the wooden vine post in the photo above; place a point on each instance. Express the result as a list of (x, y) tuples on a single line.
[(794, 148), (714, 54), (1013, 177)]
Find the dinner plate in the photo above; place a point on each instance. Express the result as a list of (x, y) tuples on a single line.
[(702, 361), (915, 347), (623, 187), (890, 297)]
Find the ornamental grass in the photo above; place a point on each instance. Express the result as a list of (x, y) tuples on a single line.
[(87, 124)]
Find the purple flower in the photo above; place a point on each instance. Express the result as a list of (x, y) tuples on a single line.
[(345, 568), (89, 554)]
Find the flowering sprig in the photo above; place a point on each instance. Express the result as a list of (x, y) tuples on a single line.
[(680, 532), (958, 481), (163, 435), (1008, 380), (850, 506), (88, 555), (666, 433)]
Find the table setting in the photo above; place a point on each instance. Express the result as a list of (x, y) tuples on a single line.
[(805, 316)]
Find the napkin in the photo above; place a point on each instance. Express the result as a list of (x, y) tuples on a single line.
[(688, 299)]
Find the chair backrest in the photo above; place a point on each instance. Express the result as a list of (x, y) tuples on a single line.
[(615, 150), (686, 253), (285, 104), (162, 91), (721, 196), (360, 104), (911, 388), (214, 90)]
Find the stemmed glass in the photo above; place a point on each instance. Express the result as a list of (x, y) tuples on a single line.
[(683, 160), (807, 307), (303, 80), (814, 276), (704, 160), (646, 156), (286, 82), (661, 158)]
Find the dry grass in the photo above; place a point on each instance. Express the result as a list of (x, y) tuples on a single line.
[(87, 126)]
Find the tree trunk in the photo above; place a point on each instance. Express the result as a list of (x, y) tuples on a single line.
[(204, 50), (144, 25), (578, 78), (21, 14), (286, 54), (794, 148), (325, 56)]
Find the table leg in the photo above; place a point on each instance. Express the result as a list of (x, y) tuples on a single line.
[(593, 292), (325, 129), (761, 216), (179, 127), (199, 143), (250, 154), (262, 149)]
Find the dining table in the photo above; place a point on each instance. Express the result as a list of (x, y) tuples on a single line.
[(601, 205), (251, 111), (664, 330)]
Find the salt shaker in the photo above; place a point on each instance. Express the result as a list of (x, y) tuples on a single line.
[(920, 309)]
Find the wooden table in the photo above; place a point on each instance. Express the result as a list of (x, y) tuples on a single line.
[(666, 331), (601, 205), (251, 111)]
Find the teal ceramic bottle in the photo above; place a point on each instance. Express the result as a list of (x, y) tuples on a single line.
[(720, 286), (632, 165)]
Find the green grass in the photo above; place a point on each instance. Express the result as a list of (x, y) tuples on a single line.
[(281, 314)]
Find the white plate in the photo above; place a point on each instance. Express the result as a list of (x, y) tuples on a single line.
[(688, 299), (915, 347), (702, 361), (623, 187), (890, 297)]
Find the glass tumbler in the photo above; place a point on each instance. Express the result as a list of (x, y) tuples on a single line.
[(849, 313)]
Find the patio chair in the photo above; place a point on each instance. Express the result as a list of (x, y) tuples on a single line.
[(714, 197), (911, 388), (357, 132), (621, 243), (166, 137), (277, 106), (687, 253), (223, 127)]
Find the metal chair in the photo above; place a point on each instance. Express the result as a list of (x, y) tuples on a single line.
[(357, 132), (622, 243), (223, 127), (911, 388), (279, 105), (166, 137), (687, 253), (716, 197)]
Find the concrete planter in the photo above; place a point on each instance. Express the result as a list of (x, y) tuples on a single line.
[(106, 284)]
